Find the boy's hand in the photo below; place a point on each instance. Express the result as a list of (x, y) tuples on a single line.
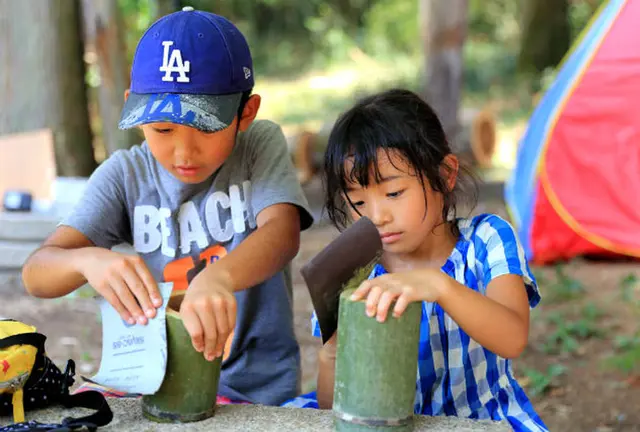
[(124, 281), (404, 287), (209, 313)]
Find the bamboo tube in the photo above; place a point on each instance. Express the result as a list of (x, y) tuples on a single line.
[(376, 367), (189, 390)]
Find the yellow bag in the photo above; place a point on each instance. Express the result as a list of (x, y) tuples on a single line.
[(19, 347), (29, 380)]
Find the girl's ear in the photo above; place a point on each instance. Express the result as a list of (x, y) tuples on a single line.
[(449, 169)]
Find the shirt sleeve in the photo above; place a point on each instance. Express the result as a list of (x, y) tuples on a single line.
[(499, 252), (315, 326), (100, 214), (274, 179)]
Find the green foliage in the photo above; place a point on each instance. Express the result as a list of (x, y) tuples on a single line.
[(568, 334), (627, 354), (495, 21), (137, 16), (580, 13), (541, 382), (630, 290), (289, 37), (392, 26), (546, 35), (565, 287)]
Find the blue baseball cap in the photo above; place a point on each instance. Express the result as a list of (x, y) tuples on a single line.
[(191, 68)]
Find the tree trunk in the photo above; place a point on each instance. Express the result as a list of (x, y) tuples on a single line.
[(444, 30), (546, 35), (103, 27), (42, 77)]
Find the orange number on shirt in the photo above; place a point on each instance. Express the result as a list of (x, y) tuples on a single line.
[(183, 270), (213, 254)]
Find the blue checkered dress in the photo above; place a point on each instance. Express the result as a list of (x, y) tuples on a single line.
[(457, 376)]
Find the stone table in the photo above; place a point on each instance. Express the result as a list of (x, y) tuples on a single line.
[(246, 418)]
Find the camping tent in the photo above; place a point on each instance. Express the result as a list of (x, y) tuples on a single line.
[(575, 189)]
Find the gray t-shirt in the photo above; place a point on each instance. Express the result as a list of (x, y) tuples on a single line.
[(179, 228)]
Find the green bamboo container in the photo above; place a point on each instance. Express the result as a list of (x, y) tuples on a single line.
[(376, 367), (190, 386)]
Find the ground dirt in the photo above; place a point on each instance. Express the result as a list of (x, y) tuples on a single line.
[(581, 369)]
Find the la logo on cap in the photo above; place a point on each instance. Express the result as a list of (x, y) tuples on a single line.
[(173, 63)]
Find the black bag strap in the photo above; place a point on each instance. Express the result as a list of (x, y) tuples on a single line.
[(88, 399), (35, 339)]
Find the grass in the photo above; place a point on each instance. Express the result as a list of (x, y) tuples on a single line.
[(569, 334), (626, 356), (540, 382), (626, 347), (564, 288)]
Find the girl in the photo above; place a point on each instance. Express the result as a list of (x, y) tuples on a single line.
[(388, 159)]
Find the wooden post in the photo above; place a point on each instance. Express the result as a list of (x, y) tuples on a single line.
[(42, 79), (376, 368), (444, 31), (190, 387), (103, 28)]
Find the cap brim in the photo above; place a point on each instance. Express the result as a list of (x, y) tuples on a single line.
[(208, 113)]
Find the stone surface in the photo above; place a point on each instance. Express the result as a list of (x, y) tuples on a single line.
[(230, 418), (13, 254), (26, 226)]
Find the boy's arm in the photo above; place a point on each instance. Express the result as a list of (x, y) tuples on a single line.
[(68, 259), (79, 251), (209, 307), (53, 270), (265, 251)]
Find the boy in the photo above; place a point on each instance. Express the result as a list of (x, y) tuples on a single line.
[(210, 201)]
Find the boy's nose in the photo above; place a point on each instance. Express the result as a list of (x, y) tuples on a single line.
[(183, 150)]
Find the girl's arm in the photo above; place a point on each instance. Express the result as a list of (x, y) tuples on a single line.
[(499, 320), (326, 373)]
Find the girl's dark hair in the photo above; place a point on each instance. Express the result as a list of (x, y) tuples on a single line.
[(398, 120)]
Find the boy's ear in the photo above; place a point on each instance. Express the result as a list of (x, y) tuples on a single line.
[(126, 94), (451, 165), (249, 112)]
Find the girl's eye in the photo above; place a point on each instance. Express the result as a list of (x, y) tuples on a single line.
[(395, 194), (358, 203)]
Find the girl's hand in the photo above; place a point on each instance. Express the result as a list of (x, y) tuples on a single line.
[(208, 312), (403, 287)]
